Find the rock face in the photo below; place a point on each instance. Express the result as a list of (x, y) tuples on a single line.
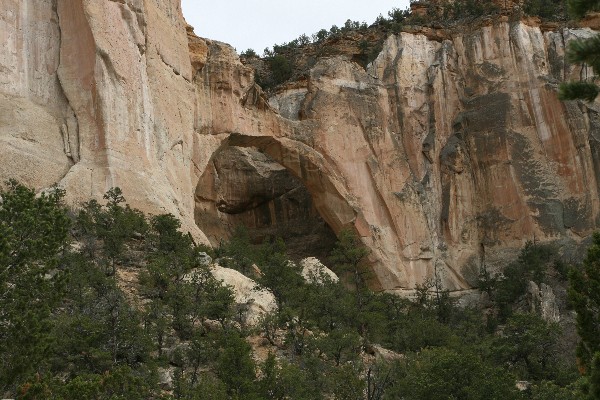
[(34, 112), (449, 150), (96, 94), (256, 302), (443, 154), (313, 271), (542, 301), (244, 187)]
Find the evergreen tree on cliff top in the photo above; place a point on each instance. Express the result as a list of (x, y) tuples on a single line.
[(586, 52)]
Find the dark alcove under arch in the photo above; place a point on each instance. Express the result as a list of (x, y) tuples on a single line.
[(244, 186)]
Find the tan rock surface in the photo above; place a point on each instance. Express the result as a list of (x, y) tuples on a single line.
[(257, 302), (125, 70), (34, 113), (113, 102), (450, 150), (313, 270), (443, 154)]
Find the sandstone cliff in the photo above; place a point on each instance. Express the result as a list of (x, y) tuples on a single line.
[(97, 94), (446, 152)]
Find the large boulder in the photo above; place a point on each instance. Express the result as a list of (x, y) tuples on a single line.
[(313, 271), (255, 300)]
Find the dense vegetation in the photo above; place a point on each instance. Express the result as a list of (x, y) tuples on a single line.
[(105, 303)]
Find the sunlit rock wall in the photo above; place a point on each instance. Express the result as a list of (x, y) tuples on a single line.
[(98, 93)]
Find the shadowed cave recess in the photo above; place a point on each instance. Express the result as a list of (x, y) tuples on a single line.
[(242, 186)]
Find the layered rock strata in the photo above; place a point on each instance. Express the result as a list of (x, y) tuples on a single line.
[(446, 153)]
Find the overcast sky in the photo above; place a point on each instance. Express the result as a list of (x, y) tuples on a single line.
[(257, 24)]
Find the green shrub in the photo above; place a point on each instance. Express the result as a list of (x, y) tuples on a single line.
[(281, 68)]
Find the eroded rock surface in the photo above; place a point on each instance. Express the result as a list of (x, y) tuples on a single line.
[(256, 302), (96, 94), (35, 116), (450, 149), (313, 271), (543, 301), (244, 187), (442, 155)]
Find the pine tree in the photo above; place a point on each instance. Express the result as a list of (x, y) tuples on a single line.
[(33, 236), (348, 257), (586, 52), (584, 296)]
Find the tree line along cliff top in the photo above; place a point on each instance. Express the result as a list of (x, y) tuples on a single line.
[(437, 19)]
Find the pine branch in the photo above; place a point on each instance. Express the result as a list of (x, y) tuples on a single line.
[(578, 90), (586, 51)]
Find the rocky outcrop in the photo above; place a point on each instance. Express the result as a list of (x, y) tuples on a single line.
[(253, 301), (543, 302), (450, 149), (313, 271), (442, 154)]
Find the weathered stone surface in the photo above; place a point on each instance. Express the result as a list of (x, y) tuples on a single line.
[(98, 93), (244, 187), (442, 154), (125, 70), (256, 302), (31, 146), (313, 270), (204, 259), (450, 149), (165, 378), (34, 115), (383, 354), (542, 301)]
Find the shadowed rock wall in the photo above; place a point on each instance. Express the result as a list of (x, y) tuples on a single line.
[(244, 187)]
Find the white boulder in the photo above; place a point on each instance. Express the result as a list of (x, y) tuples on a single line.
[(313, 271), (247, 294)]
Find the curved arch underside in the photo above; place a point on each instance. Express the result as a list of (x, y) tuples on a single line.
[(334, 204)]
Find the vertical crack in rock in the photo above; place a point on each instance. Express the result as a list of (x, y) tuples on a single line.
[(32, 106)]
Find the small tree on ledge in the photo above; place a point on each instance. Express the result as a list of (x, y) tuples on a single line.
[(585, 52)]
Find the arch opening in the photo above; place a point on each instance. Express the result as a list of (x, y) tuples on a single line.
[(243, 185)]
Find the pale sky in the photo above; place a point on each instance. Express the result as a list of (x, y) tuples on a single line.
[(257, 24)]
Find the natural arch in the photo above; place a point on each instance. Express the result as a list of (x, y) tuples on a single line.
[(303, 173), (243, 186)]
